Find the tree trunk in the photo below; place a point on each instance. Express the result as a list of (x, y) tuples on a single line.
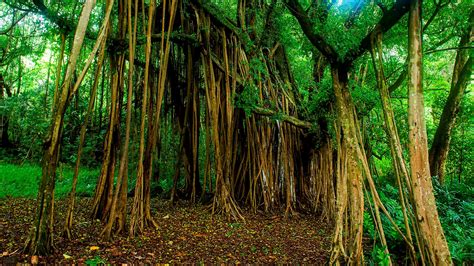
[(101, 42), (5, 139), (461, 76), (59, 66), (103, 196), (398, 162), (193, 186), (349, 194), (46, 87), (118, 208), (40, 240), (141, 217), (425, 204), (104, 190)]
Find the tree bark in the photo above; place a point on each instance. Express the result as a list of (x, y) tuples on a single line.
[(40, 240), (432, 234), (118, 209), (104, 189), (141, 217), (103, 195), (349, 193), (398, 162), (100, 42)]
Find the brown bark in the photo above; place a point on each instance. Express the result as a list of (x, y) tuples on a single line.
[(349, 195), (101, 42), (283, 117), (219, 93), (103, 195), (102, 200), (191, 131), (46, 87), (319, 65), (40, 240), (431, 232), (101, 99), (398, 162), (57, 80), (352, 167), (141, 216), (118, 210)]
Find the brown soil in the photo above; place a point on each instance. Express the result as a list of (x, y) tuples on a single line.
[(187, 234)]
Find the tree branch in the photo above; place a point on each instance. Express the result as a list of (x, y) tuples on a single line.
[(449, 49), (64, 26), (308, 27), (7, 30), (438, 8), (388, 20), (283, 117)]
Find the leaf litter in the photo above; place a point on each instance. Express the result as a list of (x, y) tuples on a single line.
[(186, 234)]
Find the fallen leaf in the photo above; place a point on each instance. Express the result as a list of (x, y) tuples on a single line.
[(94, 248), (34, 259), (66, 256), (166, 217), (170, 242)]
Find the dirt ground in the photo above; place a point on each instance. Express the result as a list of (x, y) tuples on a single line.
[(186, 234)]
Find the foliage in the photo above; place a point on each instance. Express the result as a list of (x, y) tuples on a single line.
[(379, 257), (248, 98), (28, 124), (455, 203), (455, 207)]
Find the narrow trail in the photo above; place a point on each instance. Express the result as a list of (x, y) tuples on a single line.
[(186, 234)]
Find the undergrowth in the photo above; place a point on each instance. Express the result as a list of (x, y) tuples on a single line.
[(22, 181), (455, 204)]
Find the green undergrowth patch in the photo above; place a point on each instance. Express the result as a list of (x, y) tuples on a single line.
[(455, 204), (23, 180)]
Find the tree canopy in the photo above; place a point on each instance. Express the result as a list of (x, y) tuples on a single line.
[(356, 112)]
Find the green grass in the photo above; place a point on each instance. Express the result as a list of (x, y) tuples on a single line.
[(21, 181)]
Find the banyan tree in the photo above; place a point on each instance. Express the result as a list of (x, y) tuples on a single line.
[(227, 86)]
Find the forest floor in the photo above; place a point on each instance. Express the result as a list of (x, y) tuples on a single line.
[(186, 234)]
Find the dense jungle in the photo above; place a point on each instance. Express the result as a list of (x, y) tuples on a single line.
[(237, 131)]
